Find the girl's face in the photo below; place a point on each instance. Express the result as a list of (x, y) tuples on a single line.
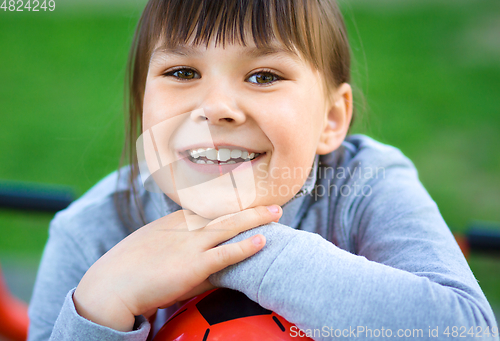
[(267, 103)]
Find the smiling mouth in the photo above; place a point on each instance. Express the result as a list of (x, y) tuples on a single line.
[(221, 156)]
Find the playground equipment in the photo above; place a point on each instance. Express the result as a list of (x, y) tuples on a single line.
[(31, 196)]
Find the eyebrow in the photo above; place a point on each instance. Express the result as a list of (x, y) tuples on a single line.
[(249, 52)]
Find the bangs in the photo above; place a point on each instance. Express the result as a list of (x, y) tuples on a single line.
[(178, 22)]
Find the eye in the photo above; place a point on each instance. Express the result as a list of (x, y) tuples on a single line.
[(182, 73), (265, 77)]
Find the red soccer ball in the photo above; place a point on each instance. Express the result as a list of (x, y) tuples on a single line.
[(225, 314)]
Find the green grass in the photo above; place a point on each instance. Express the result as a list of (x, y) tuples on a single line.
[(61, 100), (429, 72), (62, 97), (23, 233), (486, 269)]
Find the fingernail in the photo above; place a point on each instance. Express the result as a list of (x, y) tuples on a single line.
[(256, 240), (273, 209)]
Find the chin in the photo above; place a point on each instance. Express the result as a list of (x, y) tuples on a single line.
[(211, 208), (213, 213), (212, 200)]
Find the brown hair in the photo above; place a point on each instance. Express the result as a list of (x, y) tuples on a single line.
[(313, 27)]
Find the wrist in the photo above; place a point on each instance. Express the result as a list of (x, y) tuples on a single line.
[(106, 311)]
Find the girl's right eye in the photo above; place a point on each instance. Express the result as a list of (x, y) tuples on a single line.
[(182, 73)]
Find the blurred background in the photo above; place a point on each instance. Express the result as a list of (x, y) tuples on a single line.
[(427, 75)]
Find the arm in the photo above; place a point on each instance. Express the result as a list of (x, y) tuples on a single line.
[(105, 264), (407, 273)]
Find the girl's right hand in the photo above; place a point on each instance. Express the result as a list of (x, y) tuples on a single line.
[(162, 263)]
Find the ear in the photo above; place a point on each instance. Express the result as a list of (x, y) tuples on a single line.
[(337, 119)]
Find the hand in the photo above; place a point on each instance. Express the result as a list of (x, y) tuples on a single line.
[(163, 263)]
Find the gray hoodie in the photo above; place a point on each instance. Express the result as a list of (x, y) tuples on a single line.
[(360, 253)]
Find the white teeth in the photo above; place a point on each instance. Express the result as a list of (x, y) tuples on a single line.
[(211, 154), (224, 154), (227, 163), (196, 153), (235, 153)]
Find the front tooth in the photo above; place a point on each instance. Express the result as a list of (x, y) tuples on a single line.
[(224, 154), (210, 162), (194, 154), (251, 156), (201, 162), (244, 154), (235, 153), (231, 162), (201, 152), (211, 154)]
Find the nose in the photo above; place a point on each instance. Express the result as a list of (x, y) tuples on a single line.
[(219, 108)]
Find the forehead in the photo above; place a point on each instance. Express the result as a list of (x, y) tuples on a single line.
[(248, 52)]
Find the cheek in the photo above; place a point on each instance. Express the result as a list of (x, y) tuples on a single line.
[(294, 127), (157, 105)]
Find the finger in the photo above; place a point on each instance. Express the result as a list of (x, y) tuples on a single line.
[(230, 225), (195, 222), (182, 219), (220, 257)]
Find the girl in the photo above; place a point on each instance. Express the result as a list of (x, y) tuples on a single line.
[(335, 233)]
